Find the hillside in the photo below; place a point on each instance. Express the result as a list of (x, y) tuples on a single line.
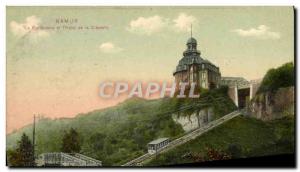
[(113, 135), (238, 138), (276, 95), (118, 134)]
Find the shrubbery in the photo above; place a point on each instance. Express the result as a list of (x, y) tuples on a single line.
[(282, 76)]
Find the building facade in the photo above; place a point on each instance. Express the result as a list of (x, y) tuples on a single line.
[(192, 68)]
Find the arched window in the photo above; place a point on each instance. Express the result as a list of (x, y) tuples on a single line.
[(191, 74)]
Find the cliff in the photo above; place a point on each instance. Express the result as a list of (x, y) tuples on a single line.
[(273, 105), (214, 104), (195, 120)]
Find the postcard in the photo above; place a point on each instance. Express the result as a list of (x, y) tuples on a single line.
[(125, 86)]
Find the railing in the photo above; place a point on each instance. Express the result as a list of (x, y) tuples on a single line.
[(59, 159), (90, 161), (65, 159)]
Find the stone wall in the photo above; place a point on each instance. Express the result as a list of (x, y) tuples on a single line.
[(232, 93), (269, 106), (254, 86), (194, 121)]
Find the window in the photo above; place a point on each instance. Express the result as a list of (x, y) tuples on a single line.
[(203, 75), (203, 84), (191, 75)]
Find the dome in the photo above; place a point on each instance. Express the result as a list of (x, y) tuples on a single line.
[(191, 40)]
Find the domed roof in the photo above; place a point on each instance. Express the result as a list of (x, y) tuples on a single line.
[(191, 40), (191, 56)]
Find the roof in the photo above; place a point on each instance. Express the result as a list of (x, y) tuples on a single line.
[(256, 81), (157, 141), (235, 81), (191, 40), (190, 56)]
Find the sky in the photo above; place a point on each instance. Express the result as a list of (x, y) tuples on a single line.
[(55, 70)]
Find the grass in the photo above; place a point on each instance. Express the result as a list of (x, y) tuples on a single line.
[(254, 137)]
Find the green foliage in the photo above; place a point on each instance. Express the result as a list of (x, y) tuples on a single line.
[(13, 158), (23, 155), (240, 137), (114, 135), (217, 99), (118, 134), (282, 76), (71, 142), (220, 102)]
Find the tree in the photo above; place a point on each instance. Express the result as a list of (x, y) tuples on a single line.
[(96, 142), (23, 155), (71, 142), (282, 76), (13, 158)]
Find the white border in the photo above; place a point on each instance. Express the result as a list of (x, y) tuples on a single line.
[(5, 3), (152, 2)]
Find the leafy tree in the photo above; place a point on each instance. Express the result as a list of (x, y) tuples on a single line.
[(23, 155), (96, 142), (13, 158), (71, 142), (282, 76)]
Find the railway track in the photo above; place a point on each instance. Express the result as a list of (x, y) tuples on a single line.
[(189, 136)]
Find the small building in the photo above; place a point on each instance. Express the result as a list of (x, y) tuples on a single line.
[(60, 159), (157, 145), (240, 90)]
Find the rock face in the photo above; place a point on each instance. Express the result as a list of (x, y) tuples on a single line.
[(195, 120), (269, 106)]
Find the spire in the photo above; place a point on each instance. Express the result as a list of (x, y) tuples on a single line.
[(191, 30)]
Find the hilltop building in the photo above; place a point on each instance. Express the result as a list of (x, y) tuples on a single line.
[(193, 68)]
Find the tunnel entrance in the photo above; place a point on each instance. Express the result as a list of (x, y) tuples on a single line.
[(243, 97)]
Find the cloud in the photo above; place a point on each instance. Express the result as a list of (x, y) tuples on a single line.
[(109, 47), (183, 22), (261, 32), (28, 28), (147, 25), (155, 24)]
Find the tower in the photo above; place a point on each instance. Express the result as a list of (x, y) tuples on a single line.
[(192, 68)]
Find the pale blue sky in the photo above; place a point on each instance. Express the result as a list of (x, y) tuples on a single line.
[(57, 72)]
